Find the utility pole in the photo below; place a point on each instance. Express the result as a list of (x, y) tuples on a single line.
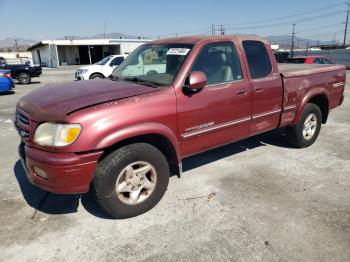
[(222, 30), (346, 23), (104, 32), (292, 46)]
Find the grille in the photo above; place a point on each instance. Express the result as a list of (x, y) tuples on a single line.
[(22, 124)]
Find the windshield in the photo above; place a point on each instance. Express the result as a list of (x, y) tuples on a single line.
[(156, 64), (104, 60)]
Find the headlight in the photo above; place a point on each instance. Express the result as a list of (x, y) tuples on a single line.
[(51, 134), (82, 71)]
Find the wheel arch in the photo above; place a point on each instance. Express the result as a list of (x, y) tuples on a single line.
[(157, 135), (319, 97), (96, 73)]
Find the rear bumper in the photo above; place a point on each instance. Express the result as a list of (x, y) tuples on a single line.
[(66, 173)]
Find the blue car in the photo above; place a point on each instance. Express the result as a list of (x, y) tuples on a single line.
[(6, 82)]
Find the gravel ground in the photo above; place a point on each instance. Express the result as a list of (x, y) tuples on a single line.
[(255, 200)]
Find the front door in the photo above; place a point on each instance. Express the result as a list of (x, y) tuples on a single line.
[(267, 88), (221, 111)]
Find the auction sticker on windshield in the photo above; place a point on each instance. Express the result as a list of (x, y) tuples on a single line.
[(178, 51)]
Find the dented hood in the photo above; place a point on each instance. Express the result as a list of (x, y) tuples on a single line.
[(54, 102)]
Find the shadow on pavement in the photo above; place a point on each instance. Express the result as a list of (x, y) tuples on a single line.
[(64, 204), (276, 137), (11, 92), (50, 203)]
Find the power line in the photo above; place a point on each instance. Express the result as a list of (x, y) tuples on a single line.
[(205, 29), (288, 22), (319, 27), (323, 34), (290, 16)]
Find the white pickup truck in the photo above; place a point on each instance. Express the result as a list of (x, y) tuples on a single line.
[(101, 69)]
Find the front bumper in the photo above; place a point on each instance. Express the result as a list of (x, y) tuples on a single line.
[(79, 76), (67, 173)]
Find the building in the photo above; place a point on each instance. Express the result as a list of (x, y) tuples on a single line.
[(16, 57), (55, 53)]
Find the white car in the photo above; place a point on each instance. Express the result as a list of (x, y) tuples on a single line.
[(101, 69)]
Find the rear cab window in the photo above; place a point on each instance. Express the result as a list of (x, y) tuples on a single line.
[(258, 58), (219, 62)]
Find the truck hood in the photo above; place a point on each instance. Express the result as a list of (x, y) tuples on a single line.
[(92, 67), (54, 102)]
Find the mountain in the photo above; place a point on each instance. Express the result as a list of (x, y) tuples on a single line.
[(285, 41), (102, 36), (16, 41)]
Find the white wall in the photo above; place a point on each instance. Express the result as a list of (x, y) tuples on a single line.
[(48, 54), (127, 48)]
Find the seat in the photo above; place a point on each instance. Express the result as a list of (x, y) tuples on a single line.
[(218, 70)]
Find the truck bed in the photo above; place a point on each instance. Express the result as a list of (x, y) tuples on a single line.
[(294, 70)]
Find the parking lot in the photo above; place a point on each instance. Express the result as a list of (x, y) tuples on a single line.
[(255, 200)]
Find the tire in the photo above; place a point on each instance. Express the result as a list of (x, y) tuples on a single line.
[(300, 135), (152, 72), (115, 169), (24, 79), (96, 76)]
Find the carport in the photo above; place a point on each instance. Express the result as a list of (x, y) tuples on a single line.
[(55, 53), (85, 54)]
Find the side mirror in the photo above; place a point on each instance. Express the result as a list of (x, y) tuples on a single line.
[(196, 81)]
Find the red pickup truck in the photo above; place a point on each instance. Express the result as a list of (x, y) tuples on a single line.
[(170, 99)]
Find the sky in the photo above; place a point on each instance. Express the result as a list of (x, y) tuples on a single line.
[(50, 19)]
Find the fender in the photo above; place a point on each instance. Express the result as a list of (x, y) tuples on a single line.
[(310, 94), (139, 130)]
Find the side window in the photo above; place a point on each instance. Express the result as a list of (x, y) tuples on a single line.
[(219, 62), (326, 61), (317, 61), (117, 61), (258, 59)]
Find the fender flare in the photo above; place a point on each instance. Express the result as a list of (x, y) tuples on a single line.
[(307, 97), (139, 130)]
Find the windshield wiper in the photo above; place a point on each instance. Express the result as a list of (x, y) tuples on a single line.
[(142, 82)]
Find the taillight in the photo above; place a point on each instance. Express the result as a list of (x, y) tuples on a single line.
[(4, 75)]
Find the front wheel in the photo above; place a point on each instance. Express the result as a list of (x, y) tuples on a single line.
[(305, 133), (131, 180), (24, 79), (96, 76)]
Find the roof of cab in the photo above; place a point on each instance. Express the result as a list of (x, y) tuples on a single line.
[(212, 38)]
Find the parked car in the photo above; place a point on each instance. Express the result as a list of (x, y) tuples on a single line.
[(309, 60), (6, 82), (22, 72), (101, 69), (126, 135)]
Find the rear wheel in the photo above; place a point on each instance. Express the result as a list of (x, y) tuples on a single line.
[(305, 133), (131, 180), (24, 78), (96, 76)]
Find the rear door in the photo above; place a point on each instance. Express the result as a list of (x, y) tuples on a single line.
[(221, 111), (267, 89)]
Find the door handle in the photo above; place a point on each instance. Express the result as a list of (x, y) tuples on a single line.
[(259, 90), (241, 92)]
